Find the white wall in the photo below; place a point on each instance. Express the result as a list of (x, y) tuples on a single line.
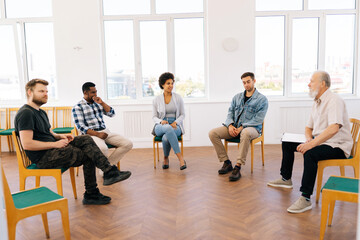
[(77, 29)]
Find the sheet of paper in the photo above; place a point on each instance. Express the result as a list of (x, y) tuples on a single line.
[(293, 137)]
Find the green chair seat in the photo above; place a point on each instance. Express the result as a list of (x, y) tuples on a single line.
[(34, 197), (110, 146), (33, 166), (63, 130), (7, 132), (159, 139), (233, 140), (342, 184)]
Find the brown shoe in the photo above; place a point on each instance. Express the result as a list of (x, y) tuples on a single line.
[(235, 175), (227, 167)]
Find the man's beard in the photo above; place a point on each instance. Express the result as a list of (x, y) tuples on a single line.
[(39, 101), (314, 93)]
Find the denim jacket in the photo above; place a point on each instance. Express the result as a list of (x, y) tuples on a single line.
[(252, 113)]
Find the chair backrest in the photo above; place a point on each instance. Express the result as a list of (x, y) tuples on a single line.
[(9, 202), (23, 160), (11, 112), (3, 118), (51, 113), (355, 136), (63, 117)]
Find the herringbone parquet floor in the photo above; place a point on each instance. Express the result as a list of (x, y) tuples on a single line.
[(193, 204)]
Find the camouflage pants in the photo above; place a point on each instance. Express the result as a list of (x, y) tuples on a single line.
[(81, 151)]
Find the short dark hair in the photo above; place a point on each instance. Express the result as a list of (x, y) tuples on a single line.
[(165, 76), (86, 86), (248, 74), (32, 83)]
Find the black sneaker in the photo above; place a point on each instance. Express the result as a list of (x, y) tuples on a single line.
[(95, 198), (235, 175), (114, 175), (227, 167)]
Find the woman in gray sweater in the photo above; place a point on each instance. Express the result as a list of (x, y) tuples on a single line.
[(168, 115)]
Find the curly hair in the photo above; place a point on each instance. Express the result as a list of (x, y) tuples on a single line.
[(165, 76)]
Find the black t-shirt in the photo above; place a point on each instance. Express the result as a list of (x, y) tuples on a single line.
[(28, 118)]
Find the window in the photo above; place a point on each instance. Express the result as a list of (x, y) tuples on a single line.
[(26, 46), (143, 42), (296, 38)]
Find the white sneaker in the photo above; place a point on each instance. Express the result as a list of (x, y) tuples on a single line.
[(301, 205), (281, 183)]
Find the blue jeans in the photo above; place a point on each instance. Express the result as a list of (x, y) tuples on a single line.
[(169, 136)]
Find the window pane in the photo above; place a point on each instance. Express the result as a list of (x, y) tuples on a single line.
[(304, 52), (179, 6), (331, 4), (153, 55), (126, 7), (277, 5), (339, 52), (40, 53), (189, 57), (9, 76), (120, 65), (269, 55), (28, 8)]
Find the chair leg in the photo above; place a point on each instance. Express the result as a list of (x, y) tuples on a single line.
[(324, 214), (319, 181), (46, 225), (37, 181), (331, 211), (8, 142), (65, 221), (12, 230), (22, 181), (77, 171), (154, 154), (226, 146), (157, 148), (182, 148), (342, 171), (262, 153), (252, 156), (118, 165), (59, 185), (73, 183)]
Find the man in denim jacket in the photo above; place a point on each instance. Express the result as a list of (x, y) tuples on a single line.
[(244, 120)]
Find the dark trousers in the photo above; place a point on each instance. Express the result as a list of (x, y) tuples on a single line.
[(311, 158), (81, 151)]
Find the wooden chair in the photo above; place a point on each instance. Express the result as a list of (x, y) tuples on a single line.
[(63, 123), (50, 111), (33, 202), (3, 123), (252, 143), (10, 114), (27, 169), (353, 160), (157, 140), (336, 189), (75, 132)]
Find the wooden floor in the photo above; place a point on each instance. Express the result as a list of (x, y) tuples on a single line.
[(195, 203)]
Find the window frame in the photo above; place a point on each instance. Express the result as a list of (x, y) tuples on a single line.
[(288, 30), (18, 26), (152, 16)]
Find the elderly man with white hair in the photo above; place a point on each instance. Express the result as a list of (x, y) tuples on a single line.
[(327, 137)]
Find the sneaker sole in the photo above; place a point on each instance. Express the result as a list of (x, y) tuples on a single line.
[(222, 173), (300, 211), (90, 202), (281, 186), (118, 179)]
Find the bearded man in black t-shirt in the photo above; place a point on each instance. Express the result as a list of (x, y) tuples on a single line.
[(50, 150)]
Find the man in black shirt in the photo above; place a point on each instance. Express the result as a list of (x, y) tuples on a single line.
[(50, 150)]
